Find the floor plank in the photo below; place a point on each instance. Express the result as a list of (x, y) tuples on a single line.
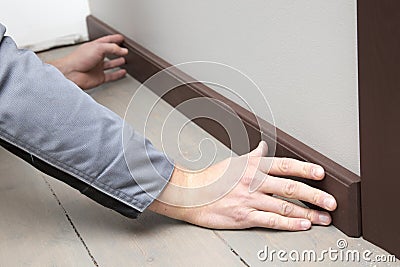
[(34, 228), (151, 240)]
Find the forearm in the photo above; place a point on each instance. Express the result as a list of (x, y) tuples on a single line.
[(51, 119)]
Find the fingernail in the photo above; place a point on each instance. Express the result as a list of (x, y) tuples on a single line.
[(305, 224), (318, 172), (125, 50), (324, 219), (329, 203)]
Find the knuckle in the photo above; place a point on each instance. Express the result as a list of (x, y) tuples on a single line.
[(114, 48), (241, 216), (309, 214), (272, 222), (286, 208), (316, 198), (306, 170), (290, 188), (246, 180), (284, 165), (96, 46), (290, 225)]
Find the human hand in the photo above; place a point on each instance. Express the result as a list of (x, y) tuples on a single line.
[(241, 209), (86, 66)]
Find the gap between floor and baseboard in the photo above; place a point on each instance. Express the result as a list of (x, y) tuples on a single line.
[(340, 182)]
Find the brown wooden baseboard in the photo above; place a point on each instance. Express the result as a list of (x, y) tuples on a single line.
[(343, 184), (379, 97)]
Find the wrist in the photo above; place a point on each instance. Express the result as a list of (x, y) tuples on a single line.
[(179, 178), (63, 65)]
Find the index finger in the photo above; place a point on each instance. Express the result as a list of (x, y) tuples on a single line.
[(113, 49), (115, 38), (291, 167)]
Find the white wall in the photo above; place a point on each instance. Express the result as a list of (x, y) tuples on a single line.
[(38, 21), (302, 53)]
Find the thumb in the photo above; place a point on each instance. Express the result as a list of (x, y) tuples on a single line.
[(260, 151)]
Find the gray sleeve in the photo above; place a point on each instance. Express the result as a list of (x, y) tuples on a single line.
[(49, 117)]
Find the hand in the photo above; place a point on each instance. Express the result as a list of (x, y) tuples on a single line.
[(86, 66), (241, 209)]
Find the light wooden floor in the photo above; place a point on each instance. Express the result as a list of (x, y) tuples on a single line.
[(45, 223)]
